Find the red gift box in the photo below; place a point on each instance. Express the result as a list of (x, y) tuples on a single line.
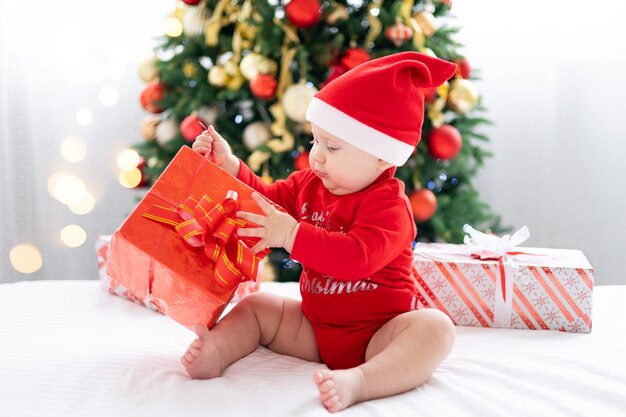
[(179, 246), (112, 286), (103, 246)]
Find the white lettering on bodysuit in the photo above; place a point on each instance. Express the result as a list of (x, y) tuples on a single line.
[(328, 285)]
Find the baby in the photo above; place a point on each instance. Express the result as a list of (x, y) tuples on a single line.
[(349, 223)]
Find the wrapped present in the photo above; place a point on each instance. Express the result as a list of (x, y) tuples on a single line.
[(491, 282), (179, 247), (111, 285)]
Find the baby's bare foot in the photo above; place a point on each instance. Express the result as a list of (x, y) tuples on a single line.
[(340, 389), (202, 359)]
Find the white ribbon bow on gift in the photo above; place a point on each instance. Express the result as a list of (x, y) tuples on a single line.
[(492, 247)]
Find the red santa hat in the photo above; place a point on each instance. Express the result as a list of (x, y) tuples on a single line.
[(378, 106)]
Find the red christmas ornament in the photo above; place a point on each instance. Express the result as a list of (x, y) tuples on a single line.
[(430, 94), (151, 95), (354, 57), (423, 204), (398, 33), (263, 86), (303, 13), (302, 161), (191, 2), (141, 167), (463, 70), (191, 127), (337, 70), (444, 142)]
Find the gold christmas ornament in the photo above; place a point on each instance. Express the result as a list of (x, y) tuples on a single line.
[(194, 21), (338, 13), (374, 22), (253, 64), (231, 68), (427, 23), (296, 100), (463, 96), (235, 82), (148, 127), (190, 70), (218, 76), (213, 26), (255, 134), (256, 159), (147, 69), (267, 178), (419, 40)]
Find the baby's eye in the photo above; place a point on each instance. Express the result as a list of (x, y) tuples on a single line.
[(332, 149)]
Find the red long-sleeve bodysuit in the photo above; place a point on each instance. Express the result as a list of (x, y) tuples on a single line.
[(356, 255)]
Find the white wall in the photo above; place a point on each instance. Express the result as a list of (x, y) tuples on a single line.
[(551, 79), (54, 59)]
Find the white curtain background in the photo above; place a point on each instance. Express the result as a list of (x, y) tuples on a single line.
[(551, 80)]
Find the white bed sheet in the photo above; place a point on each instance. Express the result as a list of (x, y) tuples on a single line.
[(67, 348)]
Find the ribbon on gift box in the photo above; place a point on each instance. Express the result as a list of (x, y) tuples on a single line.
[(501, 249), (211, 226)]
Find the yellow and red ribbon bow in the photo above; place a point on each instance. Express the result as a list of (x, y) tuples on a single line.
[(203, 223)]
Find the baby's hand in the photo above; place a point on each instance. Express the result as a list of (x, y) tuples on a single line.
[(277, 229), (212, 143)]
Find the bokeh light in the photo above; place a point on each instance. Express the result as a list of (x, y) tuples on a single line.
[(26, 258), (84, 117), (68, 189), (128, 159), (73, 149), (130, 178), (172, 27), (84, 206), (73, 235), (108, 96)]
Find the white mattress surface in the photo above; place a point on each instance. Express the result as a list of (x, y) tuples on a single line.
[(67, 348)]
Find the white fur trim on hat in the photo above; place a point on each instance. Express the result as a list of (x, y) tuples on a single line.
[(358, 134)]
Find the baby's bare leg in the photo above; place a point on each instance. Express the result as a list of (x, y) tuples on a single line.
[(401, 356), (258, 319)]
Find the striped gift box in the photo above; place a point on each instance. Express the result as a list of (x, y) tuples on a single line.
[(535, 288)]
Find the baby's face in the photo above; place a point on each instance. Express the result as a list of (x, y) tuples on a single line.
[(342, 167)]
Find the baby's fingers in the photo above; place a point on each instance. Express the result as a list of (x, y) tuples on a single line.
[(213, 133), (252, 232), (252, 217)]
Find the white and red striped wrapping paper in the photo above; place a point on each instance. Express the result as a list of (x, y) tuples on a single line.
[(549, 289)]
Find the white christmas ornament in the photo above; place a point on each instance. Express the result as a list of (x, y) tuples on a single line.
[(166, 131), (255, 134), (208, 114), (296, 100)]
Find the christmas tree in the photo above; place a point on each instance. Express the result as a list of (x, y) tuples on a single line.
[(251, 67)]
